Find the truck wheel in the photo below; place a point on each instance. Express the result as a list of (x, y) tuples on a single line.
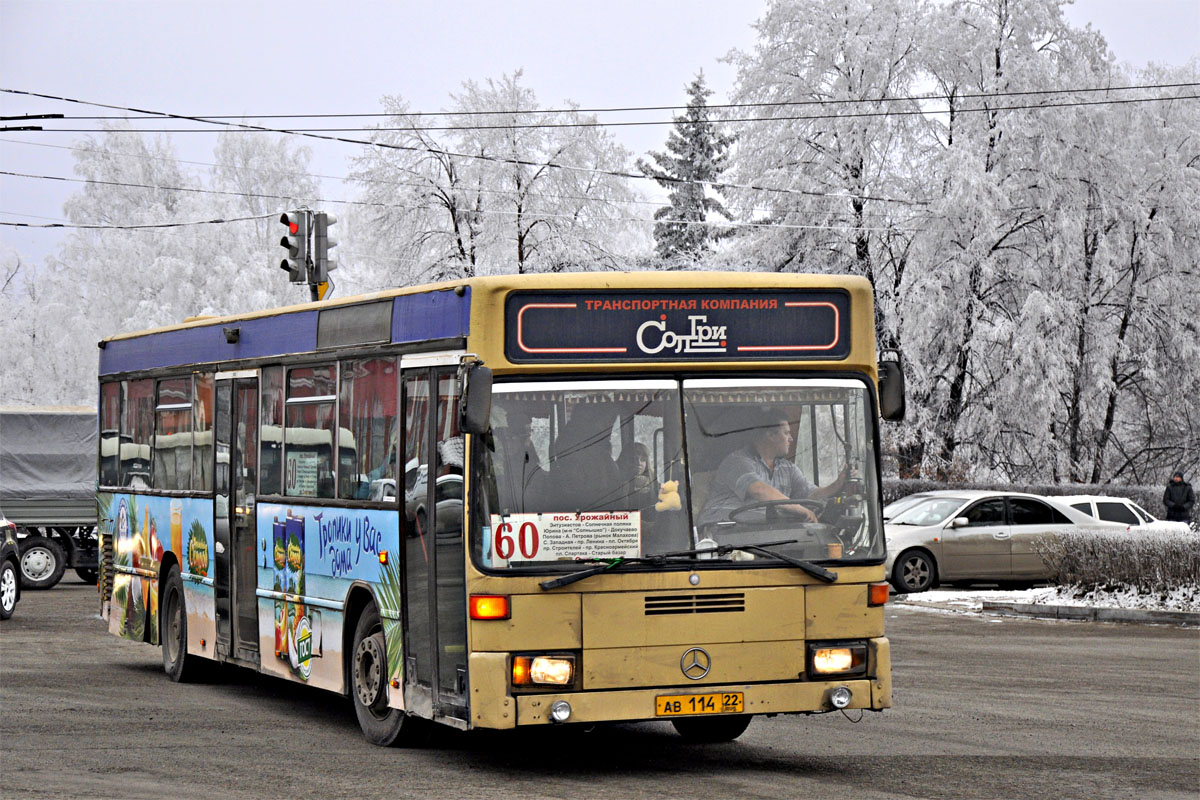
[(708, 730), (381, 725), (43, 562), (88, 574), (8, 589)]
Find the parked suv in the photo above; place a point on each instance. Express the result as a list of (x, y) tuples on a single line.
[(10, 568)]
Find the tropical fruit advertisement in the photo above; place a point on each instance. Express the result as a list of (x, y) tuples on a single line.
[(143, 530)]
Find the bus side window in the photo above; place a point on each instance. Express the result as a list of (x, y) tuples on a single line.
[(137, 429), (367, 428), (110, 433)]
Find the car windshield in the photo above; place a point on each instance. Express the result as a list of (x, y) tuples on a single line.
[(894, 508), (603, 470), (932, 511)]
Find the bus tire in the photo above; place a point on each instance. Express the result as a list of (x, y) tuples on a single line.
[(88, 574), (380, 724), (710, 730), (172, 633), (43, 562), (913, 571)]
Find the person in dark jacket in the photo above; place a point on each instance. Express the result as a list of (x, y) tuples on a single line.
[(1179, 499)]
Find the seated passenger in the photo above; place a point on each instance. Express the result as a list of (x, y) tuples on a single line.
[(641, 488)]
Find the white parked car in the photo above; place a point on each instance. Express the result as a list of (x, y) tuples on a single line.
[(974, 536), (1120, 511)]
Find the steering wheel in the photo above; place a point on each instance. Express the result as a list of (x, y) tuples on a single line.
[(816, 506)]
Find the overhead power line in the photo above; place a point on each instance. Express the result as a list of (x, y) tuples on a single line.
[(631, 109), (393, 206), (645, 123), (156, 225), (423, 185), (717, 185)]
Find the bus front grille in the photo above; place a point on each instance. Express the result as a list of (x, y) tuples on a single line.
[(695, 604)]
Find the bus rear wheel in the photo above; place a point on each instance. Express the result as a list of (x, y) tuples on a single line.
[(381, 724), (708, 730)]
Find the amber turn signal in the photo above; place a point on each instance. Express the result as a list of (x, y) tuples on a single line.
[(520, 670), (877, 593), (489, 606)]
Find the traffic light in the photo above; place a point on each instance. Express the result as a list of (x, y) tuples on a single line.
[(296, 243), (322, 244)]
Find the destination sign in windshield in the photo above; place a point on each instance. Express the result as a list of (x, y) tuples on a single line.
[(677, 326)]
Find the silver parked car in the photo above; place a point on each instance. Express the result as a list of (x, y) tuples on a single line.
[(974, 536)]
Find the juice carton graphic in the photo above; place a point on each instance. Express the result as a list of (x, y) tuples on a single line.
[(279, 560), (299, 626)]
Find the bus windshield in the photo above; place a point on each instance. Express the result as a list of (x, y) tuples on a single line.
[(601, 470)]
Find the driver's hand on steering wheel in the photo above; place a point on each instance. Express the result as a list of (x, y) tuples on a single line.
[(803, 512)]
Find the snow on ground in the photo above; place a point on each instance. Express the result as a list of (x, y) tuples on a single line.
[(1186, 598)]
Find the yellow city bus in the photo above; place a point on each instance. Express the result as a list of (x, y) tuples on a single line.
[(556, 499)]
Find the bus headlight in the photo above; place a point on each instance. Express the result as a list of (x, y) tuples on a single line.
[(841, 659), (556, 670)]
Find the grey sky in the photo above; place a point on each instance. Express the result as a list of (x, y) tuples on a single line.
[(250, 57)]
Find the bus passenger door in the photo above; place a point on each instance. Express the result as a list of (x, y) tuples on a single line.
[(434, 566), (235, 483)]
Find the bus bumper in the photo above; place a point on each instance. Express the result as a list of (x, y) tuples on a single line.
[(627, 705)]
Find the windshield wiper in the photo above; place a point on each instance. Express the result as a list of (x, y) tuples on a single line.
[(817, 572), (606, 566)]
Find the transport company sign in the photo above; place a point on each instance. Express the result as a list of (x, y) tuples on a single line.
[(677, 326)]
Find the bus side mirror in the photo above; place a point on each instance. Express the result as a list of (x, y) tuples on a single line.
[(477, 399), (891, 388)]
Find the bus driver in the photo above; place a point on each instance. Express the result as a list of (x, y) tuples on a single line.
[(761, 471)]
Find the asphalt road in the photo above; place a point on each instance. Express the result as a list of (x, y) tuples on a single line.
[(984, 708)]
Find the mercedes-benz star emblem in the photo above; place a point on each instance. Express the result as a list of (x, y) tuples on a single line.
[(695, 663)]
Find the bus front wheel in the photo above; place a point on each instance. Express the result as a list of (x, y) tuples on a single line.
[(381, 724), (708, 730), (172, 632)]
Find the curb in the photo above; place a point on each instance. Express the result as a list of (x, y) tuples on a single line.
[(1091, 614)]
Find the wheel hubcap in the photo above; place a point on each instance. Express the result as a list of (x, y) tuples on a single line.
[(8, 589), (916, 573), (37, 563), (369, 672)]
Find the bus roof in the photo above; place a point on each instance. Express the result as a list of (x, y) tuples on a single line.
[(443, 311)]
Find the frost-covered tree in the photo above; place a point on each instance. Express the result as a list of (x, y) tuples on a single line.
[(506, 187), (147, 264), (696, 157)]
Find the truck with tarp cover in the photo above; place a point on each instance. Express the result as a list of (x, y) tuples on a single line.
[(47, 487)]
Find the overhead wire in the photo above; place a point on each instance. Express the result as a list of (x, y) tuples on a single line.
[(380, 181), (718, 185), (615, 173), (390, 206), (709, 106), (638, 123)]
